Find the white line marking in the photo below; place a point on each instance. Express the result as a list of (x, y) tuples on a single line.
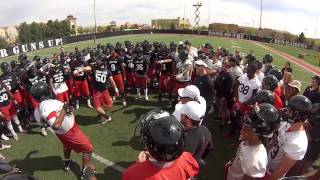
[(101, 159)]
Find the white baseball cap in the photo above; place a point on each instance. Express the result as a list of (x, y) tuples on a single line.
[(193, 110), (201, 63), (295, 84), (190, 91)]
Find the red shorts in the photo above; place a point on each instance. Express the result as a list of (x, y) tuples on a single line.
[(24, 95), (31, 101), (69, 83), (16, 96), (130, 78), (141, 82), (166, 84), (119, 81), (152, 73), (242, 107), (101, 98), (178, 85), (75, 140), (8, 111), (81, 88), (63, 97)]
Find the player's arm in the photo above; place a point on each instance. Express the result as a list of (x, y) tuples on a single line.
[(286, 164), (85, 69), (164, 61), (8, 91), (58, 120), (113, 84), (246, 177), (252, 99), (51, 84), (236, 89)]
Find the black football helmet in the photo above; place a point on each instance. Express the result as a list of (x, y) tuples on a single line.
[(270, 82), (40, 91), (263, 120), (163, 135), (183, 54), (56, 64), (298, 109), (265, 96), (14, 64), (276, 72), (45, 60), (22, 57), (267, 58), (314, 117), (250, 58), (38, 64), (36, 58), (5, 67)]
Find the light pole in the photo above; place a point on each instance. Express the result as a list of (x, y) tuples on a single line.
[(260, 28), (95, 20)]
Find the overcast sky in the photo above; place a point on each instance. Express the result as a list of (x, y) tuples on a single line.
[(292, 15)]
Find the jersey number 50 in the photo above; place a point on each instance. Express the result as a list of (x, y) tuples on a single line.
[(101, 78)]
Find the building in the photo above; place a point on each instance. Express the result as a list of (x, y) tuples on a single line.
[(73, 23), (179, 23), (10, 34)]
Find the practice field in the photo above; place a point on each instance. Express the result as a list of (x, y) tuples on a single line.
[(115, 141)]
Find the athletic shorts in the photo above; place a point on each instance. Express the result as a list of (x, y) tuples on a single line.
[(119, 81), (141, 81), (16, 96), (166, 84), (63, 97), (130, 78), (81, 88), (75, 140), (101, 98), (8, 111), (31, 101)]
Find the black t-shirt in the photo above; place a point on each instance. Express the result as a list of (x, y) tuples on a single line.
[(129, 62), (205, 85), (76, 65), (223, 85), (4, 96), (141, 65), (114, 64), (11, 80), (314, 96), (198, 141), (100, 79)]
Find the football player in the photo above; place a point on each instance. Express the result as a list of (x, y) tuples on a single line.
[(270, 83), (100, 95), (60, 118), (290, 143), (141, 64), (164, 158), (251, 159), (129, 68)]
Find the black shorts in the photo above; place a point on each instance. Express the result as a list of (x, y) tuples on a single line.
[(313, 151)]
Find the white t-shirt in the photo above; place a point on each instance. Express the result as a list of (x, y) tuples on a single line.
[(181, 67), (260, 76), (48, 111), (215, 66), (250, 160), (235, 72), (246, 87), (287, 144)]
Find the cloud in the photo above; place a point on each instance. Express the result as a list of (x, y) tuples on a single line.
[(291, 15)]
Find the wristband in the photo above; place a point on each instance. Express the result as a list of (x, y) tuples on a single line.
[(161, 61), (116, 90)]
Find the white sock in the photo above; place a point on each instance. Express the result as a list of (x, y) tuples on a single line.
[(16, 120), (146, 92), (77, 102), (88, 101), (138, 92), (10, 127)]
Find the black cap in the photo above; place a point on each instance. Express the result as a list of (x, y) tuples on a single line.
[(317, 78)]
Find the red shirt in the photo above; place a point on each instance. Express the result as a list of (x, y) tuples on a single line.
[(182, 168), (277, 101), (278, 91)]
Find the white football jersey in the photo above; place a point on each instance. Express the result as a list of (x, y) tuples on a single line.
[(48, 110), (250, 160), (260, 76), (246, 87), (286, 144), (235, 72), (181, 68)]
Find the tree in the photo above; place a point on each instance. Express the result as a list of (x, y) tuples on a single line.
[(172, 26), (301, 38), (203, 28), (25, 33), (3, 43), (36, 33)]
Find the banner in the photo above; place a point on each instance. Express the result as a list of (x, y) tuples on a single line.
[(24, 48)]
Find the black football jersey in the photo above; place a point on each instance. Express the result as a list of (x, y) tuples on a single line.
[(100, 79), (141, 65)]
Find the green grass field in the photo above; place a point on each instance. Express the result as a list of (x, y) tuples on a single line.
[(311, 56), (115, 141)]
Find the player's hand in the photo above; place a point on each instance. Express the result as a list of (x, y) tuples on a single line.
[(143, 156), (69, 109), (116, 94)]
